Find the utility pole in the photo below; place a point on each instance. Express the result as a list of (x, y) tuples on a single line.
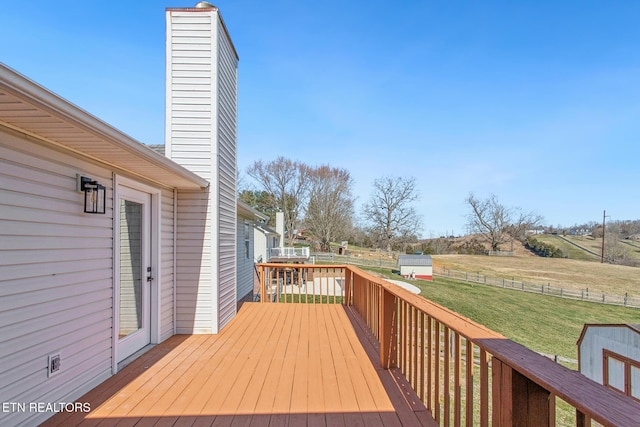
[(604, 215)]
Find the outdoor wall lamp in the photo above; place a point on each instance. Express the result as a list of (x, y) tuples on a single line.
[(94, 195)]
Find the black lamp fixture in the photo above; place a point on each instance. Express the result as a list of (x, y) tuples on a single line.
[(95, 195)]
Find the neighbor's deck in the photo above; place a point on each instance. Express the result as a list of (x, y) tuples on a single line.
[(274, 364)]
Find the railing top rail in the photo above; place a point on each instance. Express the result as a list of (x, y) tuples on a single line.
[(463, 325), (292, 265), (592, 399)]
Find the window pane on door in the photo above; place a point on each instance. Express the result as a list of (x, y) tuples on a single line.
[(131, 274)]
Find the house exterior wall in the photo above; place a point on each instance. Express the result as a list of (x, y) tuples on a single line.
[(245, 263), (57, 275), (194, 259), (201, 136), (260, 245), (620, 340), (167, 264)]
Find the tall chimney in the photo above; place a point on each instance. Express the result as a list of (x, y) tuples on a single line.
[(200, 134)]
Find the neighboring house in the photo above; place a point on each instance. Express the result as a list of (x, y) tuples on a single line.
[(247, 223), (610, 355), (416, 266), (265, 238), (82, 292)]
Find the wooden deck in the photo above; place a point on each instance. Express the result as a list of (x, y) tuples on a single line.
[(273, 365)]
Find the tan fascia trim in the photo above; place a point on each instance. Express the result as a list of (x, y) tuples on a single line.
[(26, 89)]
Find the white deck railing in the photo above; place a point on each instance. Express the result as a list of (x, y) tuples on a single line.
[(289, 253)]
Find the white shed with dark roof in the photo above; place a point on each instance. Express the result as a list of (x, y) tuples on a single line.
[(416, 266)]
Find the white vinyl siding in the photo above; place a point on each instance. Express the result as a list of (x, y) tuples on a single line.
[(245, 264), (201, 136), (227, 170), (190, 100), (194, 264), (167, 265), (55, 276)]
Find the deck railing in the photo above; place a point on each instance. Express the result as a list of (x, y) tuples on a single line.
[(289, 252), (301, 283), (464, 373)]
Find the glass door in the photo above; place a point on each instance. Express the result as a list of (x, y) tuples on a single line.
[(133, 257)]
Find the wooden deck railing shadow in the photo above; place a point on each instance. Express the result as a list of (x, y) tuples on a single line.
[(434, 348)]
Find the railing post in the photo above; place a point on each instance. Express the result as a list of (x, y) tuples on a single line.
[(388, 329), (518, 401), (347, 299), (263, 288)]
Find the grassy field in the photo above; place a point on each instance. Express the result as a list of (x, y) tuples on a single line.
[(565, 273), (567, 248), (590, 243), (544, 324)]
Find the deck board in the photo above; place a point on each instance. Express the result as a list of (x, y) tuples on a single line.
[(273, 365)]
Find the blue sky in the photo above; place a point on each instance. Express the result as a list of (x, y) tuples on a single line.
[(537, 102)]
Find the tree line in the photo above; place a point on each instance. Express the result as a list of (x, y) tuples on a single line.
[(320, 201)]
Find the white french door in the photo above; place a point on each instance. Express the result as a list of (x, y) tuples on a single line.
[(133, 273)]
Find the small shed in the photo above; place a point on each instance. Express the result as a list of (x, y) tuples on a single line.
[(610, 355), (416, 266)]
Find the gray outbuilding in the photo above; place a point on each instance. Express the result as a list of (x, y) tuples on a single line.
[(416, 266), (610, 355)]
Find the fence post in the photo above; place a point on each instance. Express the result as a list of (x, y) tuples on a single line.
[(388, 329), (518, 401), (626, 297)]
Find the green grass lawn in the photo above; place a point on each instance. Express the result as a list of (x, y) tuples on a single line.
[(544, 324)]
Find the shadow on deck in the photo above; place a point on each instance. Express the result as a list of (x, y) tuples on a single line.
[(273, 365)]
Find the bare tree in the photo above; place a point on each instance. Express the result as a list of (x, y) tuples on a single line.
[(389, 212), (497, 223), (489, 218), (614, 250), (288, 182), (330, 210)]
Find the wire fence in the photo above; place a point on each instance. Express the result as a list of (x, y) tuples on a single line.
[(539, 288), (585, 294)]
